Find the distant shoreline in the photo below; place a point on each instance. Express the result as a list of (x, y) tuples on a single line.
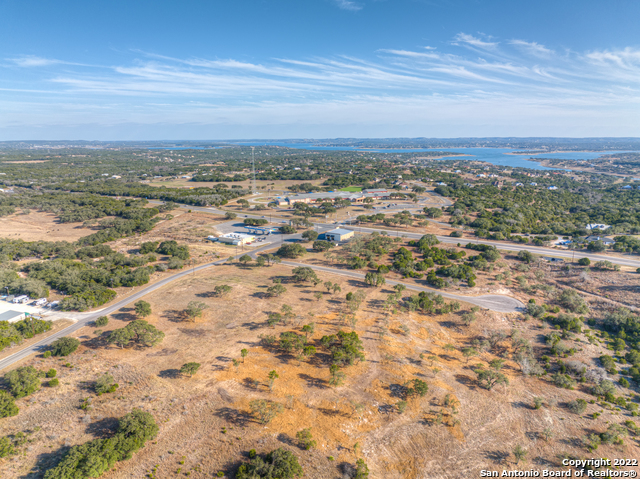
[(532, 152)]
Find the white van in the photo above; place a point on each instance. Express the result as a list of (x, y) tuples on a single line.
[(21, 299)]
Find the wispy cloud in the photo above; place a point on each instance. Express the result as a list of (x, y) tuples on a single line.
[(33, 61), (348, 5), (465, 39), (531, 47), (503, 79)]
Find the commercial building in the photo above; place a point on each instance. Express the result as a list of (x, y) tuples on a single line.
[(339, 234), (12, 316), (236, 238), (354, 197)]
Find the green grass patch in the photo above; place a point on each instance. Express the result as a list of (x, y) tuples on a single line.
[(352, 189)]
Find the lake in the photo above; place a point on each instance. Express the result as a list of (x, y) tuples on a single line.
[(496, 156)]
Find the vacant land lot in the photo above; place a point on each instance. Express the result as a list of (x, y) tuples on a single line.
[(206, 423), (37, 226)]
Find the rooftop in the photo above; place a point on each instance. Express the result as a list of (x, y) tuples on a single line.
[(339, 231), (9, 315)]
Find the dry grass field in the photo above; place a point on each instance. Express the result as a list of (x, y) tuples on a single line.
[(206, 424), (37, 226)]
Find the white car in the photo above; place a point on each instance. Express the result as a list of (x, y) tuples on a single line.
[(41, 302)]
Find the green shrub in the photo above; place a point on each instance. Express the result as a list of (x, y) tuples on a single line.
[(94, 458), (102, 321), (578, 406), (105, 384), (6, 447), (278, 464), (23, 381), (46, 354), (54, 382), (64, 346), (51, 373), (8, 406)]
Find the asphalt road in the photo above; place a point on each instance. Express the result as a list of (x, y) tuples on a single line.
[(498, 303), (92, 316), (494, 302), (501, 245)]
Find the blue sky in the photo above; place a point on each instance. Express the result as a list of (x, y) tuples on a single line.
[(231, 69)]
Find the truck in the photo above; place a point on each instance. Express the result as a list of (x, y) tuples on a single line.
[(21, 299), (41, 302)]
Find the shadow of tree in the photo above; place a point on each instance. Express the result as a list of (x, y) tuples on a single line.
[(286, 439), (163, 352), (99, 341), (251, 383), (498, 457), (466, 380), (521, 405), (195, 333), (313, 382), (124, 314), (331, 412), (207, 294), (44, 462), (103, 428), (174, 315), (239, 418), (252, 326), (259, 295), (170, 374)]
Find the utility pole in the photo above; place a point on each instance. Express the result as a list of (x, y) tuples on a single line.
[(253, 164)]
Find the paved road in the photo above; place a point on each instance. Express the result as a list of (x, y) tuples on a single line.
[(502, 245), (494, 302), (86, 318), (505, 246)]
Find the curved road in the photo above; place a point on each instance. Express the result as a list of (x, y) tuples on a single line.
[(494, 302), (92, 316), (499, 303), (501, 245)]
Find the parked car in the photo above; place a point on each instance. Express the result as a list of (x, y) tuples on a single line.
[(41, 302)]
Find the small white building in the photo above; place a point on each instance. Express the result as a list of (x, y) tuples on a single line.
[(339, 234), (236, 238), (553, 188), (597, 226)]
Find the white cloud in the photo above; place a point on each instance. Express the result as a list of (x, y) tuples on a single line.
[(531, 47), (33, 61), (472, 79), (628, 58), (470, 40), (348, 5)]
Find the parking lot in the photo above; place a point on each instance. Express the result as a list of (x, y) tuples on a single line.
[(234, 226), (24, 308)]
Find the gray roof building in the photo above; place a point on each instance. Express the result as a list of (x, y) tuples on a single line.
[(11, 316)]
